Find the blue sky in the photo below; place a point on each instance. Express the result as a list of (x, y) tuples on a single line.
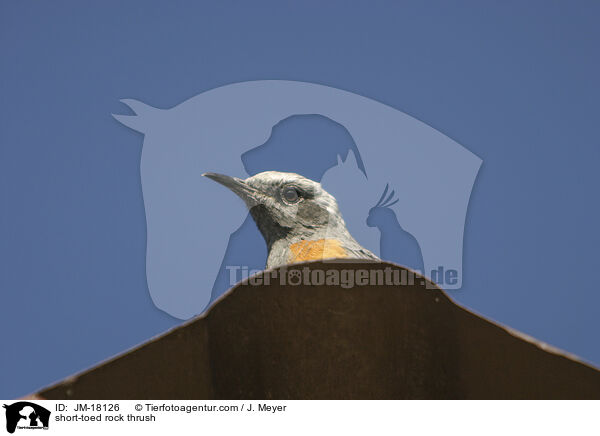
[(514, 82)]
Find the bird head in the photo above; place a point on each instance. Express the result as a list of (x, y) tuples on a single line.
[(285, 204), (382, 212)]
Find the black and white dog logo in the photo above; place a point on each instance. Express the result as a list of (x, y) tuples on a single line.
[(26, 415)]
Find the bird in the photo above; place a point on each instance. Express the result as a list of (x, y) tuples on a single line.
[(298, 219), (396, 244)]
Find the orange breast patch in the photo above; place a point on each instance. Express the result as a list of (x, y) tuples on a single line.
[(316, 250)]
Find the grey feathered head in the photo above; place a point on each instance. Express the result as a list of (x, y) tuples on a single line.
[(285, 203)]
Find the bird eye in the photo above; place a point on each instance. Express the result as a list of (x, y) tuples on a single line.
[(290, 194)]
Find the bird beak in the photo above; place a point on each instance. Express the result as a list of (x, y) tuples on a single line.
[(238, 186)]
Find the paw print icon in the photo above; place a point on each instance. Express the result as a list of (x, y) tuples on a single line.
[(294, 277)]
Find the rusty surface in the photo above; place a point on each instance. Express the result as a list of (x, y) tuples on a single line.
[(326, 342)]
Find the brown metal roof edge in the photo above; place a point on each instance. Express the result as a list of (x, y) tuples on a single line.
[(511, 331), (544, 346)]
